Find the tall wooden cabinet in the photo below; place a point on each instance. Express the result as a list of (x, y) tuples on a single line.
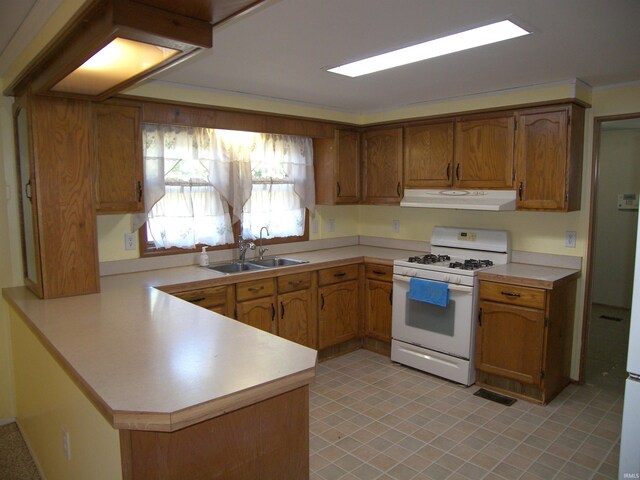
[(548, 158), (337, 168), (382, 166), (58, 223), (117, 158), (484, 151), (378, 302)]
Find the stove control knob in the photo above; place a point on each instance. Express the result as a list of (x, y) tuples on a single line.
[(447, 278), (457, 279)]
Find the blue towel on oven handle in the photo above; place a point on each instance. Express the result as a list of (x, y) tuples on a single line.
[(435, 293)]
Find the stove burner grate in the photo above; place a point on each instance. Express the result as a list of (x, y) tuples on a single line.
[(471, 264), (429, 259)]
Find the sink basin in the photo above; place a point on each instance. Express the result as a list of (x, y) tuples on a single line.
[(276, 262), (236, 267)]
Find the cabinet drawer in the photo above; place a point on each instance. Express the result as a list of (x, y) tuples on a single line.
[(379, 272), (205, 297), (513, 294), (337, 274), (296, 281), (254, 289)]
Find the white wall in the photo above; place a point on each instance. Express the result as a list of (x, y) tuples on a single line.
[(615, 235)]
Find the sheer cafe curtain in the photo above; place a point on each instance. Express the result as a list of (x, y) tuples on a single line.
[(197, 172), (183, 207)]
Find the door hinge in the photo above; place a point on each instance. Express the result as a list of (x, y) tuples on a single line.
[(541, 374)]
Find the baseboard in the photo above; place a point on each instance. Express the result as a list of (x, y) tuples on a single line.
[(6, 421)]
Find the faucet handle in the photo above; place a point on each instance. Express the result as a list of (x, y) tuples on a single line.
[(261, 252)]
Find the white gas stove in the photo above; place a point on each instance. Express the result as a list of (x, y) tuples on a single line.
[(439, 338)]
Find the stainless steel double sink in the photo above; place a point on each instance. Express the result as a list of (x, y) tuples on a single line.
[(256, 264)]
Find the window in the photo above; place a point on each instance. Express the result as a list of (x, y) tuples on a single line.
[(198, 181)]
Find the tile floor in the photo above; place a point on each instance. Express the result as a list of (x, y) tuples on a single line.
[(373, 419)]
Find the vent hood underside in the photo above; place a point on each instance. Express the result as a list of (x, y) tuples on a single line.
[(460, 199)]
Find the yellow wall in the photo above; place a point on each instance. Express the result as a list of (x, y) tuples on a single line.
[(47, 401)]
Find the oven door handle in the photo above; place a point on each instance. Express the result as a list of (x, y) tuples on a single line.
[(454, 287)]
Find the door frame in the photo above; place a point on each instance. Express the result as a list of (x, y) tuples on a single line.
[(595, 164)]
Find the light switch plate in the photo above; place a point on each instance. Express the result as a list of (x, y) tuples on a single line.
[(395, 226), (570, 239)]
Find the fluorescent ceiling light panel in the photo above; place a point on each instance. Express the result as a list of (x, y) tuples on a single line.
[(495, 32)]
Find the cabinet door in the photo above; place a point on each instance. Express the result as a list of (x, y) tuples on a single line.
[(510, 342), (117, 155), (338, 313), (259, 313), (541, 160), (484, 152), (378, 301), (294, 322), (382, 160), (347, 167), (428, 155)]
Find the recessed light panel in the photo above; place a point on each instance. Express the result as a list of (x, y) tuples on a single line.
[(476, 37)]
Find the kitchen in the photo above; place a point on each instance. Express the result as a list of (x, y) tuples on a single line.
[(377, 221)]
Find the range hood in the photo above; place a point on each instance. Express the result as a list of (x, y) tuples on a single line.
[(460, 199)]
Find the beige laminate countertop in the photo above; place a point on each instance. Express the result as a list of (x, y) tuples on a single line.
[(150, 361), (529, 275)]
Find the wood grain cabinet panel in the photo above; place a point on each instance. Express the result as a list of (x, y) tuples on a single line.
[(294, 322), (217, 299), (382, 165), (58, 140), (259, 313), (378, 301), (484, 151), (428, 155), (338, 313), (117, 158), (337, 168), (549, 158)]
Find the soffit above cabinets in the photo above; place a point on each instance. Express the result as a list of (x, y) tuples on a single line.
[(182, 28)]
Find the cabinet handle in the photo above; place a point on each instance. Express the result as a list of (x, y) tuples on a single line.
[(281, 310), (295, 283), (391, 297), (398, 189), (448, 170), (322, 301), (458, 172), (378, 272), (196, 300), (341, 274), (338, 189), (520, 191), (510, 294), (27, 189), (480, 317), (139, 192), (256, 289), (273, 312)]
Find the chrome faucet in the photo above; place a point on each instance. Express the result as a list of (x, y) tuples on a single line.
[(261, 250), (243, 247)]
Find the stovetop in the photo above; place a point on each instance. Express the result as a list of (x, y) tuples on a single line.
[(443, 260)]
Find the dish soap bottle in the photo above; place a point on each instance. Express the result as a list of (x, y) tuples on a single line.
[(204, 258)]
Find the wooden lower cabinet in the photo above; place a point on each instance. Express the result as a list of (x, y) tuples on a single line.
[(256, 304), (217, 299), (378, 291), (524, 338), (338, 305), (269, 439), (297, 317)]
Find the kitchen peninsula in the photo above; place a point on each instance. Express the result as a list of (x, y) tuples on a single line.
[(189, 390)]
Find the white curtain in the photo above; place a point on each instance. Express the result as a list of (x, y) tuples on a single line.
[(267, 179)]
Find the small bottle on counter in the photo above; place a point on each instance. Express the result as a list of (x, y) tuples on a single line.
[(204, 258)]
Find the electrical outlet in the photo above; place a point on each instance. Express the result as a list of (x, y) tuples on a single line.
[(570, 239), (129, 241), (332, 225), (395, 226), (66, 444)]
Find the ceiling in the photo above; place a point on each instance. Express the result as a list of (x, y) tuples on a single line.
[(281, 50)]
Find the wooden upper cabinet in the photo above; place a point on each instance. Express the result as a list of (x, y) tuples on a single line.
[(484, 151), (428, 155), (382, 163), (337, 168), (549, 158), (117, 158), (61, 239)]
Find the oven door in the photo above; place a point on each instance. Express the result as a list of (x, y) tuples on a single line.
[(443, 329)]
